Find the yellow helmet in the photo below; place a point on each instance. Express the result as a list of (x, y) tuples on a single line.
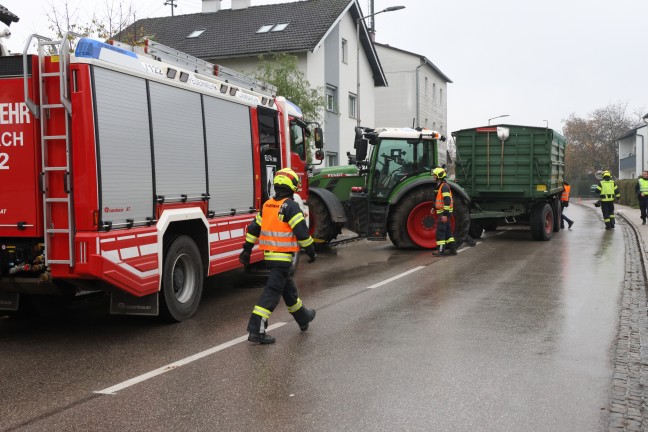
[(439, 172), (606, 173), (287, 177)]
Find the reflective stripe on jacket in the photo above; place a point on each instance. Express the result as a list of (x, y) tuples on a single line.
[(608, 190), (444, 202), (276, 234), (565, 194)]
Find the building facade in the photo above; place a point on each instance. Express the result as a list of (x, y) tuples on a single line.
[(632, 153), (417, 95)]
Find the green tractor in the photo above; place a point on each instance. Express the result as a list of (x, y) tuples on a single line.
[(389, 193)]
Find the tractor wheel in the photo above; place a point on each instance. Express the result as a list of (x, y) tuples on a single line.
[(182, 280), (411, 224), (321, 227), (490, 226), (542, 220)]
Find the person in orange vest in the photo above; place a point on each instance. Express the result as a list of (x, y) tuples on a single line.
[(281, 230), (443, 207), (642, 195), (564, 202)]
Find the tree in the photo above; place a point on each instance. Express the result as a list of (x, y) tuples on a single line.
[(281, 71), (64, 16), (592, 141)]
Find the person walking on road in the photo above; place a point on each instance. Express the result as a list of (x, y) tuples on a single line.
[(281, 230), (443, 207), (608, 191), (642, 195), (564, 202)]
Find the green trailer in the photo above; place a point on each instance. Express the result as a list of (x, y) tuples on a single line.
[(513, 175)]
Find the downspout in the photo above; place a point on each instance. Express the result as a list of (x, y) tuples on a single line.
[(418, 96), (643, 155)]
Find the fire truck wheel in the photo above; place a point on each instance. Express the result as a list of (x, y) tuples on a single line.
[(182, 280)]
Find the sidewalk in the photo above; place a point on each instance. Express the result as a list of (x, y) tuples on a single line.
[(632, 216)]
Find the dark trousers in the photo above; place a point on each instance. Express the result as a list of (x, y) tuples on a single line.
[(444, 233), (280, 284), (607, 208), (643, 206), (564, 218)]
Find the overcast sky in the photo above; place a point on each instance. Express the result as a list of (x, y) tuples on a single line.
[(535, 61)]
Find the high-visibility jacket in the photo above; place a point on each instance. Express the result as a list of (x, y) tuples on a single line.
[(280, 229), (608, 190), (643, 186), (565, 194), (444, 204)]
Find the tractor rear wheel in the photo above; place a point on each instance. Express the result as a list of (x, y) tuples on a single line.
[(412, 224)]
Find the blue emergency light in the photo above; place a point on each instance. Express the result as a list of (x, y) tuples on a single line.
[(91, 48)]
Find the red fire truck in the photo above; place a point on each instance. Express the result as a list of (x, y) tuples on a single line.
[(133, 173)]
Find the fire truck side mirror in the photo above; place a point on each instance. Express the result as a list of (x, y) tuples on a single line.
[(319, 155), (319, 138)]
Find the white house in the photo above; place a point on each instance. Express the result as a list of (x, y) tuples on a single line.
[(417, 95), (633, 149)]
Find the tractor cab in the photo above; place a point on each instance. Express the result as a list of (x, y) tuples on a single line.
[(397, 154)]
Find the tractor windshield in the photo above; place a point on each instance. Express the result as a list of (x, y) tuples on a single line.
[(397, 159)]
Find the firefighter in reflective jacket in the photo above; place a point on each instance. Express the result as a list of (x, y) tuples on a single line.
[(642, 195), (281, 230), (443, 207), (608, 191)]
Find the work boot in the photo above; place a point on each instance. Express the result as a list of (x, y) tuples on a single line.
[(261, 338), (309, 314), (644, 222), (570, 224), (452, 249), (440, 251)]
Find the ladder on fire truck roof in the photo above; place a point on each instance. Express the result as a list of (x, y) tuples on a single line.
[(173, 56), (42, 111)]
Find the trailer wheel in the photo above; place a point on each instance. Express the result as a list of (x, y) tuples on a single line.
[(557, 212), (320, 225), (476, 230), (412, 225), (490, 226), (542, 221), (182, 280)]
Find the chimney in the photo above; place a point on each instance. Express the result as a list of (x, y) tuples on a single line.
[(211, 6), (240, 4)]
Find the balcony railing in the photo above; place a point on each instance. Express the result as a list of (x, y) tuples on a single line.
[(628, 162)]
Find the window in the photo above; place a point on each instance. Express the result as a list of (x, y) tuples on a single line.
[(196, 33), (280, 27), (331, 98), (345, 51), (265, 28), (352, 105), (433, 91), (425, 88), (441, 96), (425, 124), (331, 159)]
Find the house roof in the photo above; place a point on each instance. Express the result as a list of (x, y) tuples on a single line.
[(424, 59), (630, 133), (234, 33), (6, 16)]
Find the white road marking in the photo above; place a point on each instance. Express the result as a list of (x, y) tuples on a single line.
[(159, 371), (386, 281)]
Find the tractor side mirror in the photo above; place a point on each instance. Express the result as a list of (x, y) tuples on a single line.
[(319, 155)]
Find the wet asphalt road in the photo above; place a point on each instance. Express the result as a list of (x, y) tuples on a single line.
[(509, 335)]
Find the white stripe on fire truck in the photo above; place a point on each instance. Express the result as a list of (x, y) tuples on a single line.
[(129, 252), (108, 240), (149, 249), (128, 237), (113, 256), (154, 233)]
